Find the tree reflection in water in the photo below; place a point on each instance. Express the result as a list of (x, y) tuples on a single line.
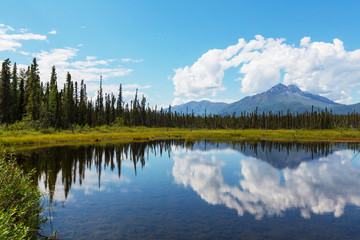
[(70, 163)]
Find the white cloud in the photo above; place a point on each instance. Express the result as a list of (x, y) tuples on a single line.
[(132, 60), (206, 74), (11, 42), (89, 63), (89, 58), (319, 187), (23, 66), (56, 57), (319, 67), (24, 36), (89, 70), (24, 53), (126, 60), (128, 90), (135, 86), (129, 95), (6, 45), (62, 58)]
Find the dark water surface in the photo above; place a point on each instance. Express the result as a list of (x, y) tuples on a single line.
[(204, 190)]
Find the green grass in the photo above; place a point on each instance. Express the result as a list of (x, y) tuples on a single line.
[(20, 206), (115, 133)]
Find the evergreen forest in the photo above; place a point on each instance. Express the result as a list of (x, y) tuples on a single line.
[(25, 98)]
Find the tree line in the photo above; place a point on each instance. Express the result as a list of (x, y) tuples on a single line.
[(23, 97)]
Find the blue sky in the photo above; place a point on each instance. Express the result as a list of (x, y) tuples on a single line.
[(176, 51)]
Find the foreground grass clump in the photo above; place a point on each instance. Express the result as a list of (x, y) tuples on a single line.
[(20, 206)]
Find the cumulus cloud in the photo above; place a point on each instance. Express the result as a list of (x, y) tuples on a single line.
[(135, 86), (63, 59), (128, 90), (11, 42), (206, 74), (318, 187), (319, 67), (89, 70), (89, 63)]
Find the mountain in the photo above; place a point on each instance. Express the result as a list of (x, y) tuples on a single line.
[(200, 107), (345, 109), (279, 98)]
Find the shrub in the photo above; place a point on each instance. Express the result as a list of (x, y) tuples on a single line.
[(20, 202)]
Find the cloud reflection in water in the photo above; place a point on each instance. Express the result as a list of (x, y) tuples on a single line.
[(323, 186)]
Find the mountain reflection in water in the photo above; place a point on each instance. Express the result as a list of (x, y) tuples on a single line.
[(272, 177)]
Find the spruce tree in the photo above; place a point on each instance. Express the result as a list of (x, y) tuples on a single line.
[(135, 110), (90, 114), (82, 104), (53, 99), (142, 110), (45, 116), (21, 100), (101, 104), (5, 92), (34, 92), (119, 107), (68, 102), (113, 110), (14, 95), (76, 103)]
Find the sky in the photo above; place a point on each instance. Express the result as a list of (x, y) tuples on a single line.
[(177, 51)]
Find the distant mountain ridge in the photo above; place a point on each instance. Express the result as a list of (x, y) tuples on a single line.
[(279, 98), (200, 107)]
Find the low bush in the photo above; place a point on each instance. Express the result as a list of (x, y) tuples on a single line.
[(20, 201)]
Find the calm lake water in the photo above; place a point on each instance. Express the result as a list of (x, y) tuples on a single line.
[(204, 190)]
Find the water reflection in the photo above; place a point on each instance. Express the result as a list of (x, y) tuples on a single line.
[(316, 187), (74, 164), (272, 177), (278, 154)]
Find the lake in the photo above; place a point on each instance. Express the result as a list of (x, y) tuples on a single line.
[(200, 190)]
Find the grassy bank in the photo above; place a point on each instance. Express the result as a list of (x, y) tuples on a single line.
[(108, 133), (20, 206)]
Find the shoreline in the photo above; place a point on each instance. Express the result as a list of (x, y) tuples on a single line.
[(126, 134)]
